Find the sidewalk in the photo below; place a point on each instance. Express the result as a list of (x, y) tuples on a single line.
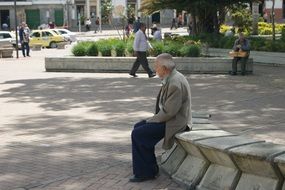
[(119, 32), (71, 131)]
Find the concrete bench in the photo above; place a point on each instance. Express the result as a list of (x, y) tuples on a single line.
[(207, 158), (187, 157), (6, 51), (256, 164), (222, 172), (280, 161)]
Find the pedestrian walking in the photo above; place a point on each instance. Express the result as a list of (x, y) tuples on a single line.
[(97, 24), (172, 115), (173, 24), (88, 24), (141, 45)]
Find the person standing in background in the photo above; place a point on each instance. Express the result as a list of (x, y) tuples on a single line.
[(97, 24), (24, 34), (88, 24), (173, 24)]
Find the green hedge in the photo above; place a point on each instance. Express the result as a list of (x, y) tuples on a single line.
[(183, 46), (256, 43)]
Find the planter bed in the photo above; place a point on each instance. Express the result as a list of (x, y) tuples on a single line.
[(211, 65)]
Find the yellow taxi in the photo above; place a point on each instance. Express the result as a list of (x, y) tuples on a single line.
[(46, 38)]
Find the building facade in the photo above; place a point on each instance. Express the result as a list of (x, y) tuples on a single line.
[(279, 10), (71, 13), (33, 12)]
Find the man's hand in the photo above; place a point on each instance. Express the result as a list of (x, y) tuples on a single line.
[(135, 53)]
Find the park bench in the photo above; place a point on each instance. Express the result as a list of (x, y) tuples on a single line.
[(210, 158), (6, 50)]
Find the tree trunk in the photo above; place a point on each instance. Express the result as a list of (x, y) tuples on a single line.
[(194, 24), (273, 19)]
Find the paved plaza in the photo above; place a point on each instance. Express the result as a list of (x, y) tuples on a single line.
[(71, 131)]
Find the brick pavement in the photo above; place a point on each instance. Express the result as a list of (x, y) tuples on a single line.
[(72, 130)]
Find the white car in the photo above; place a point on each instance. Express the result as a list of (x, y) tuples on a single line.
[(68, 35), (8, 37)]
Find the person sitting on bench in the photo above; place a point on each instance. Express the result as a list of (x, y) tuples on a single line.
[(241, 45)]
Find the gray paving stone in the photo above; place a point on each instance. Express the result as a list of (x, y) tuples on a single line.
[(77, 125)]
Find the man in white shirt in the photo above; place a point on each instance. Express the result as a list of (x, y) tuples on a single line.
[(141, 45)]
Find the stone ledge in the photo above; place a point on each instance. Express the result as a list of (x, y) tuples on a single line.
[(212, 159), (260, 57), (124, 64)]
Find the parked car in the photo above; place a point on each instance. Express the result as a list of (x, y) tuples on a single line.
[(8, 37), (68, 35), (46, 38)]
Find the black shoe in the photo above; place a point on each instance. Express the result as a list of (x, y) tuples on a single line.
[(233, 73), (151, 75), (134, 75), (135, 179), (156, 171), (242, 73)]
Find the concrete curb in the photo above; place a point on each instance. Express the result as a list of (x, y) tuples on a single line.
[(213, 159), (123, 64), (259, 57)]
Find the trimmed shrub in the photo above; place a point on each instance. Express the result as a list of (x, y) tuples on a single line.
[(283, 34), (275, 46), (105, 49), (92, 50), (130, 48), (227, 42), (257, 44), (157, 48), (190, 51), (173, 49), (79, 49), (120, 47)]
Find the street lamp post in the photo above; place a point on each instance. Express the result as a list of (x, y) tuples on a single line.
[(68, 19), (16, 29), (98, 12)]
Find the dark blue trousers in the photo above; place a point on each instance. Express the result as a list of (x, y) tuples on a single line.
[(144, 138)]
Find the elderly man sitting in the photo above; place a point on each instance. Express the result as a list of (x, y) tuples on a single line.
[(172, 115), (240, 45)]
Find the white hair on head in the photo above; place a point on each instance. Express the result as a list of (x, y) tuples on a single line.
[(166, 60)]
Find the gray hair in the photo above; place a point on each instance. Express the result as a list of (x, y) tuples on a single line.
[(166, 60)]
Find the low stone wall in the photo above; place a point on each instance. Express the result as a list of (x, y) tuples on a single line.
[(260, 57), (124, 64), (207, 158)]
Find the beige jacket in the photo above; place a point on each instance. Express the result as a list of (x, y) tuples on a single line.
[(174, 99)]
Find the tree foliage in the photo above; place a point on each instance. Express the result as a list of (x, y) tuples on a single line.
[(106, 10), (207, 15), (242, 18)]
